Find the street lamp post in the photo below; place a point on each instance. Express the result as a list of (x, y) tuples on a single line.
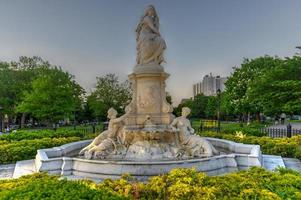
[(218, 110), (1, 120)]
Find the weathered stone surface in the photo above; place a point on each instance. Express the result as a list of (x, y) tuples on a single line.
[(143, 169), (271, 162), (292, 163), (6, 171), (24, 167)]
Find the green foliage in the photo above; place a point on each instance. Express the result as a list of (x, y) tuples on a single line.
[(42, 186), (16, 78), (201, 106), (27, 149), (286, 147), (109, 93), (39, 134), (211, 108), (54, 95), (252, 129), (265, 84), (238, 84), (279, 89), (186, 184)]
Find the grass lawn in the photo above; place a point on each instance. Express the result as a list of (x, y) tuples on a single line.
[(232, 127)]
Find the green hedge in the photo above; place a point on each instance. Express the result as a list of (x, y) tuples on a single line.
[(23, 145), (251, 130), (232, 127), (286, 147), (11, 152), (255, 183), (39, 134), (42, 186)]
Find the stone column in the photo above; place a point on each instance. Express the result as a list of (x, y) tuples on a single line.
[(149, 96)]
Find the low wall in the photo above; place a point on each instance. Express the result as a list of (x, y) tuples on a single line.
[(59, 160)]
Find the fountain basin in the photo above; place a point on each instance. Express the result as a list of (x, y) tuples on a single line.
[(63, 161)]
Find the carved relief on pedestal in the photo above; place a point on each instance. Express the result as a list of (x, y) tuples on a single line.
[(148, 97)]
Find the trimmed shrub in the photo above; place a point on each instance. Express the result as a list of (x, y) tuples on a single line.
[(286, 147), (187, 184), (39, 134), (42, 186), (27, 149)]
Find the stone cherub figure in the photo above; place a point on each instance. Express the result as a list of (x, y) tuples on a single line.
[(150, 44), (106, 142), (192, 144)]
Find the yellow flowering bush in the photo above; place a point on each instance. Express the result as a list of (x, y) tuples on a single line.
[(239, 134), (182, 184), (286, 147)]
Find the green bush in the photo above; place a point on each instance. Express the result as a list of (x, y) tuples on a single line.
[(27, 149), (232, 127), (255, 183), (42, 186), (286, 147), (252, 130), (38, 134)]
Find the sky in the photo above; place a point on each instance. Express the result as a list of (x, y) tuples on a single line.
[(90, 38)]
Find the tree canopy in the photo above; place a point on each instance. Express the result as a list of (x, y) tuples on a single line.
[(54, 95), (266, 84), (109, 92)]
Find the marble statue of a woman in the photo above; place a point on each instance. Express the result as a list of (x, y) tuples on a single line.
[(192, 144), (150, 44), (107, 141)]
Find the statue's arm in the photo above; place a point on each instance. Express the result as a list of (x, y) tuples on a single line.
[(150, 24), (173, 124), (121, 118), (190, 127)]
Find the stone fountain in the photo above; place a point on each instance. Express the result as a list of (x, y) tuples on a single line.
[(147, 140)]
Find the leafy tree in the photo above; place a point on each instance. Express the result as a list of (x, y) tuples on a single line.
[(54, 95), (168, 98), (15, 79), (109, 92), (238, 90), (279, 89), (211, 107), (6, 88)]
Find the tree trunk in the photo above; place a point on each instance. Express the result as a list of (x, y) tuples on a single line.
[(23, 120), (248, 119), (258, 117)]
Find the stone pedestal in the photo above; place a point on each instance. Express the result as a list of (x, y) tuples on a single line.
[(149, 105)]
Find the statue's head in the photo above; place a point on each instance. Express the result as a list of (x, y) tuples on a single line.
[(112, 113), (185, 111), (150, 11)]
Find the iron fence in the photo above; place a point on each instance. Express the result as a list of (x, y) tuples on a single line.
[(280, 132), (208, 125)]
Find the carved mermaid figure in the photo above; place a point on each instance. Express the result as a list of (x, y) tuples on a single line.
[(106, 142), (192, 144), (150, 44)]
